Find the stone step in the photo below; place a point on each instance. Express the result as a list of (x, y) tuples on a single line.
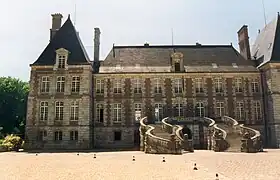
[(158, 131)]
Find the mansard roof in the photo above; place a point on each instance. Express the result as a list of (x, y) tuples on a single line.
[(196, 58), (68, 38), (267, 45)]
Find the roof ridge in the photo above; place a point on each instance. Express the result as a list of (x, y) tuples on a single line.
[(173, 46)]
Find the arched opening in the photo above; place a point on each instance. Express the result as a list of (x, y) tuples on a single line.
[(186, 130)]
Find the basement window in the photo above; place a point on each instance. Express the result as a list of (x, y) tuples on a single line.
[(117, 136), (234, 65), (214, 65)]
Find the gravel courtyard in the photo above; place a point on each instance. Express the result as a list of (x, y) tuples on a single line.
[(119, 166)]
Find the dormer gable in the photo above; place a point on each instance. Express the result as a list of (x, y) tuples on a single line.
[(61, 60), (177, 64)]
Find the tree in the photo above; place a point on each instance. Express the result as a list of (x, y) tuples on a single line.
[(13, 104)]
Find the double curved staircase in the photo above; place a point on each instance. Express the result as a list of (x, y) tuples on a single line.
[(224, 136)]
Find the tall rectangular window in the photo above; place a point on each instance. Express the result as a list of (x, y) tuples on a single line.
[(218, 84), (220, 110), (45, 84), (74, 111), (257, 110), (61, 61), (117, 86), (255, 86), (75, 84), (200, 109), (99, 86), (74, 135), (178, 86), (44, 111), (137, 111), (238, 85), (60, 84), (157, 86), (240, 111), (100, 113), (117, 112), (58, 135), (178, 110), (59, 110), (158, 112), (137, 86), (198, 85)]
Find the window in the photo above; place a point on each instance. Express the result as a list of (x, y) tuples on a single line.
[(200, 109), (99, 86), (234, 65), (177, 67), (45, 84), (60, 84), (220, 110), (158, 86), (74, 136), (137, 88), (178, 86), (255, 86), (218, 85), (61, 61), (58, 135), (74, 111), (214, 65), (42, 135), (44, 111), (257, 110), (117, 86), (58, 110), (100, 113), (117, 112), (75, 84), (137, 110), (158, 112), (238, 85), (117, 136), (178, 110), (240, 110), (198, 85)]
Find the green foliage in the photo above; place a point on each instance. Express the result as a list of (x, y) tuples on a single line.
[(12, 143), (13, 104)]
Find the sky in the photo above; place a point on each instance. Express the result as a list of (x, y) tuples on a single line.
[(24, 30)]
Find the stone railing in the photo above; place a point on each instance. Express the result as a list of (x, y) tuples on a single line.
[(167, 127), (219, 142), (157, 145), (251, 140)]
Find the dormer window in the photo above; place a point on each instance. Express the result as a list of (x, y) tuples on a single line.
[(61, 61), (177, 62), (61, 58)]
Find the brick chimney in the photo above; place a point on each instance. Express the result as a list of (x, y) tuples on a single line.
[(243, 41), (96, 49), (56, 24)]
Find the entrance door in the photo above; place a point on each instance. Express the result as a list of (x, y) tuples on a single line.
[(137, 139)]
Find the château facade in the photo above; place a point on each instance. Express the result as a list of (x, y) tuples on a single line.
[(76, 103)]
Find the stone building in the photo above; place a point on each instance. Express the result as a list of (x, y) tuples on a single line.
[(76, 103)]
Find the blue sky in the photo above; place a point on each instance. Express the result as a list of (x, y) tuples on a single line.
[(25, 25)]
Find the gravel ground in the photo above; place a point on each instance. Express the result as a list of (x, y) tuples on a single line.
[(119, 166)]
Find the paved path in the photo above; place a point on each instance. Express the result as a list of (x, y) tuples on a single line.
[(119, 166)]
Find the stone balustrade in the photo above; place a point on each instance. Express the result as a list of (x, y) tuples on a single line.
[(231, 123), (167, 127), (157, 145), (251, 140)]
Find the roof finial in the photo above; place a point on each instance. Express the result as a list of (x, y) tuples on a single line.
[(68, 16), (278, 13), (231, 43)]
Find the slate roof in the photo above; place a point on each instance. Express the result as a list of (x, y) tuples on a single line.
[(67, 38), (158, 58), (267, 45)]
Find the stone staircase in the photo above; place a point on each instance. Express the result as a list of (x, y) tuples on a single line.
[(159, 132), (233, 138)]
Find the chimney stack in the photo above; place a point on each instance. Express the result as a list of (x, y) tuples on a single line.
[(96, 48), (243, 41), (56, 24)]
